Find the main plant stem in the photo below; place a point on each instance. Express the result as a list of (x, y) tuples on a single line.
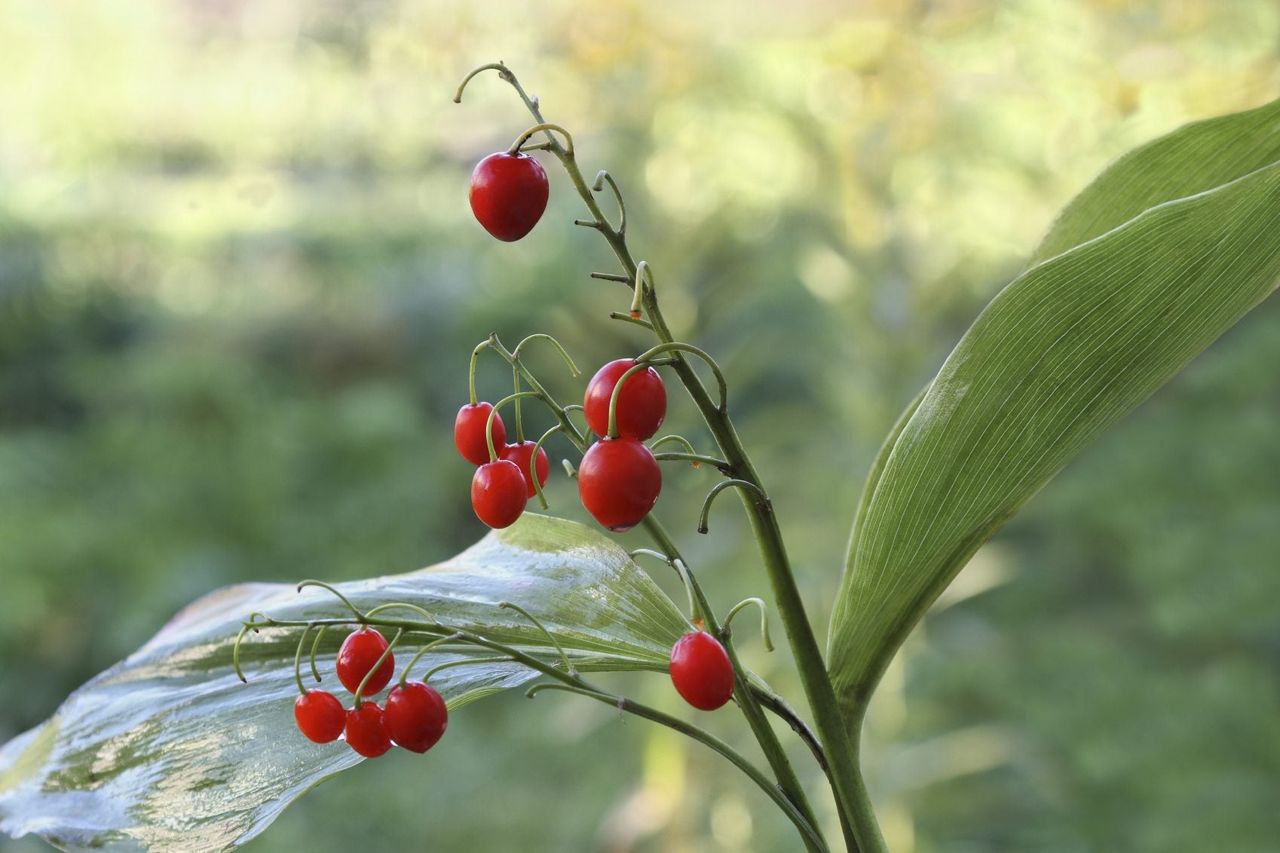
[(842, 753), (862, 833)]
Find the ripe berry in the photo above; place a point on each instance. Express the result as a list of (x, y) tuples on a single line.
[(701, 671), (468, 432), (508, 194), (498, 493), (520, 455), (366, 731), (320, 716), (642, 402), (360, 651), (619, 482), (416, 716)]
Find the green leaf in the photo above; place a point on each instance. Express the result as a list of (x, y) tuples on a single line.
[(169, 750), (1192, 159), (1122, 303)]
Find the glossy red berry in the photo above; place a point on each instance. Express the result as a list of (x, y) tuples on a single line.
[(508, 194), (619, 482), (468, 433), (701, 671), (366, 730), (498, 493), (415, 716), (520, 454), (359, 653), (320, 716), (642, 402)]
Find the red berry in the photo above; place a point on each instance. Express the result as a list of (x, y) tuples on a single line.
[(320, 716), (498, 493), (508, 194), (416, 716), (619, 482), (701, 671), (468, 433), (520, 454), (359, 653), (642, 402), (366, 731)]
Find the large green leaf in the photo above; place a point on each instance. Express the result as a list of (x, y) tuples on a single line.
[(168, 748), (1154, 261)]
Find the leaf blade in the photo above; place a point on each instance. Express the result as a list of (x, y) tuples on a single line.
[(1063, 352), (1190, 160), (165, 748)]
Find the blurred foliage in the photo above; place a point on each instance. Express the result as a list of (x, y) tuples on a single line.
[(239, 284)]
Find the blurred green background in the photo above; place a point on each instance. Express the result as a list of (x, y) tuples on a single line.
[(239, 283)]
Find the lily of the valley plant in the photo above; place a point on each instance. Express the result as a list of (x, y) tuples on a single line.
[(1159, 256)]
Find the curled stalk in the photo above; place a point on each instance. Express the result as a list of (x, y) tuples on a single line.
[(493, 413), (404, 675), (471, 372), (501, 68), (355, 611), (451, 664), (245, 628), (764, 619), (603, 177), (564, 658), (690, 455), (386, 653), (542, 336), (533, 463), (539, 128), (297, 659), (677, 346), (315, 646), (643, 283), (745, 485)]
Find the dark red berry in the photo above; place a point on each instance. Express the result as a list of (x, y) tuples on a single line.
[(416, 716), (366, 731), (520, 454), (701, 671), (320, 716), (498, 493), (642, 402), (468, 433), (619, 482), (359, 653), (508, 194)]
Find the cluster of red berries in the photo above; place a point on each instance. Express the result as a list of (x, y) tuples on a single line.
[(618, 480), (503, 482), (414, 716)]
